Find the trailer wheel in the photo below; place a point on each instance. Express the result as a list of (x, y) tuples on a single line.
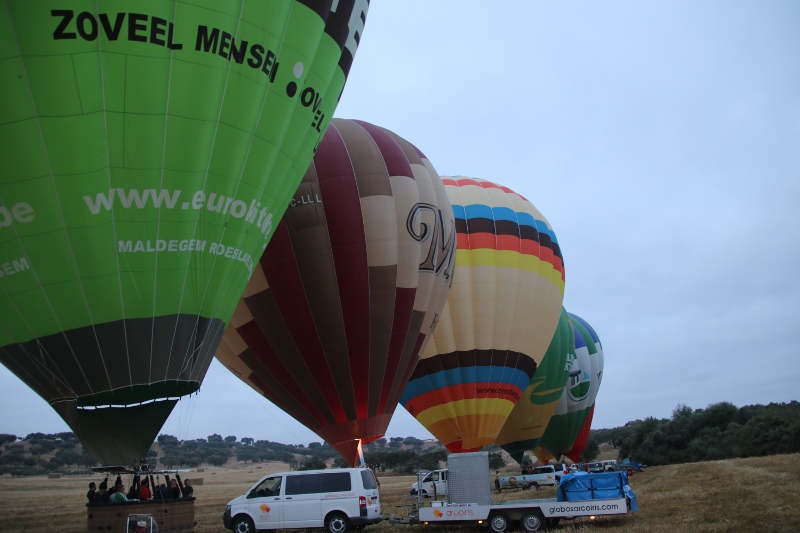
[(498, 523), (532, 522)]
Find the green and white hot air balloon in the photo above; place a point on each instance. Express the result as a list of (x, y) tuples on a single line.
[(148, 149), (575, 404)]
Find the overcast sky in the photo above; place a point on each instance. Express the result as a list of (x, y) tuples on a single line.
[(661, 141)]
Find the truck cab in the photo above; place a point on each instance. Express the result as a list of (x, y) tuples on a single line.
[(433, 484)]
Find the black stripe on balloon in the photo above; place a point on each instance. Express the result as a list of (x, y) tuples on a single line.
[(470, 358), (507, 227), (167, 356)]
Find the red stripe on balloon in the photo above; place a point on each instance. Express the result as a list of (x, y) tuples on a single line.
[(403, 307), (582, 439), (409, 370), (337, 183), (252, 335), (396, 161), (463, 391), (283, 276)]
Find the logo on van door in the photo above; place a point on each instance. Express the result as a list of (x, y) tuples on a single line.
[(264, 508), (437, 513), (339, 495)]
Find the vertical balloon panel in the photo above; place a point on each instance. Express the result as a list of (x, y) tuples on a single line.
[(347, 293), (499, 318), (577, 400), (149, 149), (528, 420)]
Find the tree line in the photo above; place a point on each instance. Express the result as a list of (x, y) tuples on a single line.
[(720, 431)]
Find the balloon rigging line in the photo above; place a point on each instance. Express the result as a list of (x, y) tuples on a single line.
[(255, 128), (158, 220), (205, 181), (113, 218), (274, 417)]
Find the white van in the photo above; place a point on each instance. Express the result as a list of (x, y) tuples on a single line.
[(433, 483), (337, 499)]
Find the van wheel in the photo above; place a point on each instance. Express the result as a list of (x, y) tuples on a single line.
[(498, 523), (243, 524), (532, 522), (534, 486), (337, 523)]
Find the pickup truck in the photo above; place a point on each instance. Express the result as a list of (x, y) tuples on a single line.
[(629, 464), (542, 475), (433, 484)]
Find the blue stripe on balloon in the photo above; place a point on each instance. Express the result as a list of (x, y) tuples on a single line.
[(591, 330), (464, 375), (579, 342)]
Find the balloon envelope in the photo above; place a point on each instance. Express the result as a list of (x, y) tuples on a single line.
[(498, 321), (347, 293), (148, 150), (578, 447), (573, 407), (529, 418)]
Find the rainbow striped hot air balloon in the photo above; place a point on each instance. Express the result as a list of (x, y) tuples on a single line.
[(498, 321)]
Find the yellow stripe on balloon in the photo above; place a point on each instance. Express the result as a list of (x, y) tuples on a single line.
[(448, 429), (466, 408), (510, 259)]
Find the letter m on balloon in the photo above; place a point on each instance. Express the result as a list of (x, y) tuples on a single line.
[(441, 249)]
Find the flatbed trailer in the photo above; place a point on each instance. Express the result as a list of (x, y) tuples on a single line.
[(532, 515), (469, 499)]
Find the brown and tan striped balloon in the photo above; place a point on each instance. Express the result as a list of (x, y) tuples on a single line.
[(349, 289)]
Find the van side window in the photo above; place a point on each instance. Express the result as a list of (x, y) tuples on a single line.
[(316, 483), (269, 487), (368, 480), (542, 470), (338, 482), (303, 484), (436, 476)]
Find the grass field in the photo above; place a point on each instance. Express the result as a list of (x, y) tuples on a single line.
[(738, 495)]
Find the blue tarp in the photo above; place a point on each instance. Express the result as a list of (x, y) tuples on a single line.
[(585, 486)]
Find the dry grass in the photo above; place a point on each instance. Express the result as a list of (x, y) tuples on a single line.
[(739, 495)]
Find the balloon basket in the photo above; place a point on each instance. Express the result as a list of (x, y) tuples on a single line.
[(159, 516)]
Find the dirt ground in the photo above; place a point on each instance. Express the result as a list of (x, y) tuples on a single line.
[(738, 495)]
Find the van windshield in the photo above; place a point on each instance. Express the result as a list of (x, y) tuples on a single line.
[(368, 480)]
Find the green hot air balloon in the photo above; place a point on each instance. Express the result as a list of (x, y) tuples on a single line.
[(148, 150), (530, 416), (575, 404)]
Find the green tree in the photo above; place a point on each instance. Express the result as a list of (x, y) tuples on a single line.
[(591, 452), (167, 440), (496, 461), (68, 457), (217, 459), (311, 462)]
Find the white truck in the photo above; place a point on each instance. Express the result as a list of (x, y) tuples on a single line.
[(542, 475), (469, 499), (434, 484)]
